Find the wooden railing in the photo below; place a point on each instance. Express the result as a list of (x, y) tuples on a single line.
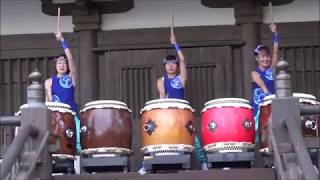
[(291, 157), (33, 156)]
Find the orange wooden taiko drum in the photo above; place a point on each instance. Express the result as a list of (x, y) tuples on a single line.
[(167, 126)]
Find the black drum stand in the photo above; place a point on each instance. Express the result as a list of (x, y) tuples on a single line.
[(315, 157), (108, 163), (230, 159), (65, 166), (156, 163)]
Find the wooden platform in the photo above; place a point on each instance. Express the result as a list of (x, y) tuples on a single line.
[(240, 174)]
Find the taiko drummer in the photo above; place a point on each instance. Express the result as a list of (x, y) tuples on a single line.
[(172, 85), (263, 76), (61, 86)]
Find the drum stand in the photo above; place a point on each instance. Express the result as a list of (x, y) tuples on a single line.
[(65, 166), (114, 163), (314, 154), (315, 157), (268, 159), (230, 159), (154, 163)]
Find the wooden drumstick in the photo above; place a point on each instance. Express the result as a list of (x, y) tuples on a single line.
[(171, 27), (58, 21), (270, 12)]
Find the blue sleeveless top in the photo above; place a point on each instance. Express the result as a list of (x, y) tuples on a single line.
[(258, 94), (63, 91), (173, 87)]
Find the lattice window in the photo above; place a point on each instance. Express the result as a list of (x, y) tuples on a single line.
[(136, 86)]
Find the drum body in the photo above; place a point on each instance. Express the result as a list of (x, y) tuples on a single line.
[(62, 128), (167, 126), (105, 128), (227, 125), (309, 123)]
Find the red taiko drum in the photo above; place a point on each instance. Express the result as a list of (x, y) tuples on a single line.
[(227, 125), (63, 128), (167, 126), (310, 124), (105, 128)]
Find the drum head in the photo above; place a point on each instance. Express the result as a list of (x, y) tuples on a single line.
[(303, 98), (60, 107), (166, 104), (227, 102), (306, 98), (101, 104), (53, 106)]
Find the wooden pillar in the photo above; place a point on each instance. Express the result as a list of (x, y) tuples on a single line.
[(248, 16), (87, 23), (38, 116)]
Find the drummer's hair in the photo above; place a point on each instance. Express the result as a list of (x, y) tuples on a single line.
[(260, 49), (171, 58), (60, 55)]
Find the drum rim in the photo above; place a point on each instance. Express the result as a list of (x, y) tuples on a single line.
[(106, 150), (156, 101), (105, 104), (219, 103), (244, 101), (57, 104), (97, 102), (167, 148), (60, 107), (52, 106), (243, 146), (302, 97), (63, 156), (166, 104)]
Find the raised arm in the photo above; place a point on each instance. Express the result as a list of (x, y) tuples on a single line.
[(160, 87), (257, 79), (183, 68), (67, 51), (275, 51)]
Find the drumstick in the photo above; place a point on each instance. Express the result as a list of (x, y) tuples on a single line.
[(58, 21), (270, 12), (171, 28)]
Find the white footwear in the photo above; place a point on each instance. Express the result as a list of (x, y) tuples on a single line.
[(77, 164), (204, 166), (142, 171)]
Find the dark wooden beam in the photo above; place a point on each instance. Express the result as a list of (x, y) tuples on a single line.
[(294, 34), (230, 3), (105, 6), (86, 19), (154, 38), (35, 41), (247, 11)]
